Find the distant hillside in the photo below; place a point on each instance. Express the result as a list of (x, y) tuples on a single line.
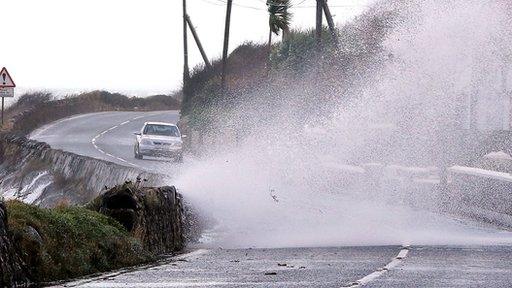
[(33, 110)]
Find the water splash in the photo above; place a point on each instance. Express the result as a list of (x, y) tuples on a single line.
[(334, 180)]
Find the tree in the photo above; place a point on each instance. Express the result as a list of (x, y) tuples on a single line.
[(279, 18)]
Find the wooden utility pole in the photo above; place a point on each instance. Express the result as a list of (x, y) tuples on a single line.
[(186, 74), (330, 22), (226, 43), (319, 11), (198, 42)]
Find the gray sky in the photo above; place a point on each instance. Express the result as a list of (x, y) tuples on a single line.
[(127, 45)]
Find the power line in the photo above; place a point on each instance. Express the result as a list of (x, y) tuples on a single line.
[(280, 4), (234, 4), (298, 5)]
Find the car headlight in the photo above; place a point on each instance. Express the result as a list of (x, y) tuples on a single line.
[(146, 142)]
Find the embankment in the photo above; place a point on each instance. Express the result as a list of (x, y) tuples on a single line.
[(149, 220), (69, 241), (35, 173), (125, 226)]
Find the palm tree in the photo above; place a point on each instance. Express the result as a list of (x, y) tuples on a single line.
[(279, 18)]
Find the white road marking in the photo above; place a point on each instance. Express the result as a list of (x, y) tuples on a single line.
[(371, 277), (93, 142), (121, 159)]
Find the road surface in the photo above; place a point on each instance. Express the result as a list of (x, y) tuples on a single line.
[(109, 136), (324, 267), (106, 135)]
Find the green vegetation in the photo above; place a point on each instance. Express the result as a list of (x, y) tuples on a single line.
[(67, 242), (301, 77), (279, 18)]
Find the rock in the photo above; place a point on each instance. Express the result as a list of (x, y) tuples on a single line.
[(153, 215), (34, 235)]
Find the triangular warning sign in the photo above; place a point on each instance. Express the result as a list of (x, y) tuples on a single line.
[(5, 79)]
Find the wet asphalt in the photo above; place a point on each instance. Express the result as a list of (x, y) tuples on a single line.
[(439, 266)]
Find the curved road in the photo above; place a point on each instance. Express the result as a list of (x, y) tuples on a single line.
[(106, 135), (109, 136)]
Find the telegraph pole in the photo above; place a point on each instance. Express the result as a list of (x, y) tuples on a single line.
[(226, 43), (330, 22), (319, 11), (186, 74), (198, 42)]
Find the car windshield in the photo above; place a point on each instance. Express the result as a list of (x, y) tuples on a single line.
[(161, 130)]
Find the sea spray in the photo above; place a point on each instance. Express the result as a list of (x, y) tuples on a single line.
[(355, 173)]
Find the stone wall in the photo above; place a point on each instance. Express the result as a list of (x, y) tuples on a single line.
[(152, 215), (12, 273)]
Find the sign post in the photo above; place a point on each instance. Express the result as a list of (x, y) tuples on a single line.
[(6, 88)]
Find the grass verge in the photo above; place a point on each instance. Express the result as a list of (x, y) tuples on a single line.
[(68, 242)]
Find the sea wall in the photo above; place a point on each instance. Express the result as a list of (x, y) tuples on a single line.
[(35, 173)]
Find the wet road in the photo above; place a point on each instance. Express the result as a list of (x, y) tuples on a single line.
[(109, 136), (316, 267), (324, 267), (106, 135), (442, 266)]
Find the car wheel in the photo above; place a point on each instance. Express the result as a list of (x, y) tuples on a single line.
[(136, 152)]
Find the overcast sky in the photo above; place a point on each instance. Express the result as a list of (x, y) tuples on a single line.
[(127, 45)]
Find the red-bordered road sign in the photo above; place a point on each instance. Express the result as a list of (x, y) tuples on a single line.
[(6, 79)]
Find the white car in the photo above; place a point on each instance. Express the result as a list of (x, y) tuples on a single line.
[(159, 139)]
